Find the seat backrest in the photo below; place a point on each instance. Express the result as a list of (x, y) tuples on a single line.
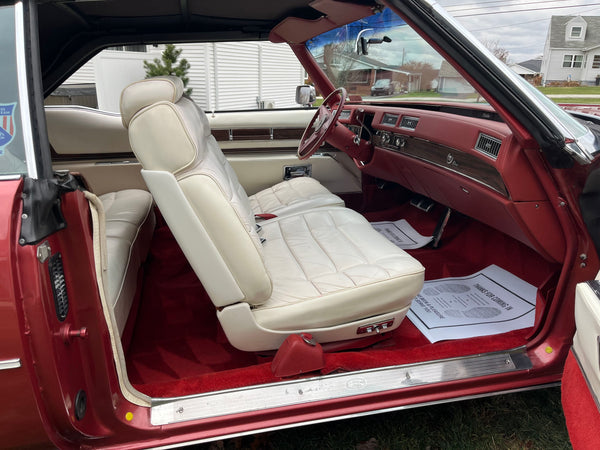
[(196, 190)]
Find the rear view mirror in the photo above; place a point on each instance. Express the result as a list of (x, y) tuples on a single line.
[(305, 95)]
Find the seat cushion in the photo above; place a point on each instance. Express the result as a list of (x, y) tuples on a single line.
[(293, 196), (129, 227), (328, 267)]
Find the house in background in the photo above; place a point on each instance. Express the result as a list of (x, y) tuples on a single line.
[(530, 70), (572, 50), (535, 64), (359, 73), (452, 84), (223, 75)]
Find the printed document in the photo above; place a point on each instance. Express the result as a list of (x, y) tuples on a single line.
[(491, 301), (402, 234)]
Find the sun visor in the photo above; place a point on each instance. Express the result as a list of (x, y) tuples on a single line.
[(335, 13)]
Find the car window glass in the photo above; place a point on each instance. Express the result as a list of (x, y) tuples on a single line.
[(222, 76), (12, 152), (381, 56)]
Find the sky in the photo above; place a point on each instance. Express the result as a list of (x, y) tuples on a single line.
[(519, 26)]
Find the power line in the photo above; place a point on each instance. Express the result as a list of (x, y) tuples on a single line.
[(522, 10), (527, 22), (461, 3), (503, 4)]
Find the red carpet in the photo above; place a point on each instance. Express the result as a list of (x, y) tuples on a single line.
[(178, 347), (581, 412)]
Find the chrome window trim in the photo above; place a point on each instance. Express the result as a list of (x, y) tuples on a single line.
[(10, 364), (30, 157), (577, 147), (13, 176)]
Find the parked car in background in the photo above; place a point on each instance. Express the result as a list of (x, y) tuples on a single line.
[(175, 276), (382, 86)]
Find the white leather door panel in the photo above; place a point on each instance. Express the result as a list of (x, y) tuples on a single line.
[(333, 170), (258, 144), (586, 342)]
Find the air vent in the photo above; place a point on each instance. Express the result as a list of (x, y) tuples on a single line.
[(409, 123), (488, 145), (59, 286)]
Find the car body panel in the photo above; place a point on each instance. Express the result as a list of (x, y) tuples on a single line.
[(523, 194), (16, 387)]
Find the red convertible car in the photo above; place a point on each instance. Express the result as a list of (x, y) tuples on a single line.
[(171, 275)]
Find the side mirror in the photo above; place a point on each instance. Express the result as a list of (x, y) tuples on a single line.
[(305, 94)]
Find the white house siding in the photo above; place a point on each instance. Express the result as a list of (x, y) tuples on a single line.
[(223, 76), (559, 43), (201, 63), (556, 72), (115, 70), (237, 81), (281, 73), (84, 75)]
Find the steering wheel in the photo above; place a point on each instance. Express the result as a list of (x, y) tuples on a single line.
[(321, 124)]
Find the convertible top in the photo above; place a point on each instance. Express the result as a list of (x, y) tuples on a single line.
[(70, 32)]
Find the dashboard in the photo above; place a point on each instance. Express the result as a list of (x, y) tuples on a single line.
[(463, 157)]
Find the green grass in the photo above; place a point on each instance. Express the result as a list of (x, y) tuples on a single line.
[(419, 94), (554, 90), (527, 420), (577, 101)]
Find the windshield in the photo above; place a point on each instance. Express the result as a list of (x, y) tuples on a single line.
[(381, 55)]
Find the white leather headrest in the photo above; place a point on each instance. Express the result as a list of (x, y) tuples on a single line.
[(141, 94)]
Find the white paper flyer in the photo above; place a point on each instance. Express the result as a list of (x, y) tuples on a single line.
[(491, 301), (402, 234)]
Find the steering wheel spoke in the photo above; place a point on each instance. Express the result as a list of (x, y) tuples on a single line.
[(321, 124)]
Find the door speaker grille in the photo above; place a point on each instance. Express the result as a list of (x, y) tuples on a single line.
[(59, 286)]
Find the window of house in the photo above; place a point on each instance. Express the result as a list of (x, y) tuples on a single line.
[(576, 32), (575, 61), (596, 62), (129, 48)]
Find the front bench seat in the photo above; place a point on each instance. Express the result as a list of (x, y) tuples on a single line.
[(324, 271), (286, 197)]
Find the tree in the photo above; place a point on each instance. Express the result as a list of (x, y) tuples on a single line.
[(425, 69), (167, 65), (499, 52)]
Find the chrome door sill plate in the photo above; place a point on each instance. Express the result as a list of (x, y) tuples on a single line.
[(275, 395)]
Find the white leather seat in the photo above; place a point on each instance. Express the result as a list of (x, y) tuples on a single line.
[(292, 196), (129, 227), (324, 271)]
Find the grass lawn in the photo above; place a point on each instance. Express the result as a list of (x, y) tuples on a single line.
[(526, 420), (577, 101), (587, 90)]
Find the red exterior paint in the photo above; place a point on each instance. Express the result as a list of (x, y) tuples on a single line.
[(19, 413), (40, 395)]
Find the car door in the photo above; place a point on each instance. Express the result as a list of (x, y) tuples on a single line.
[(581, 376)]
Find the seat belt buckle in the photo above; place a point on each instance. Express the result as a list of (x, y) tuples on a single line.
[(264, 216)]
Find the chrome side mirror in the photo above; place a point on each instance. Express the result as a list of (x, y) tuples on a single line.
[(305, 95)]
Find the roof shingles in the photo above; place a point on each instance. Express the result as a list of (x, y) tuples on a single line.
[(558, 33)]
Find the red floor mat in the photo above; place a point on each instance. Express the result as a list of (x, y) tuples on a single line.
[(177, 334), (178, 347)]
